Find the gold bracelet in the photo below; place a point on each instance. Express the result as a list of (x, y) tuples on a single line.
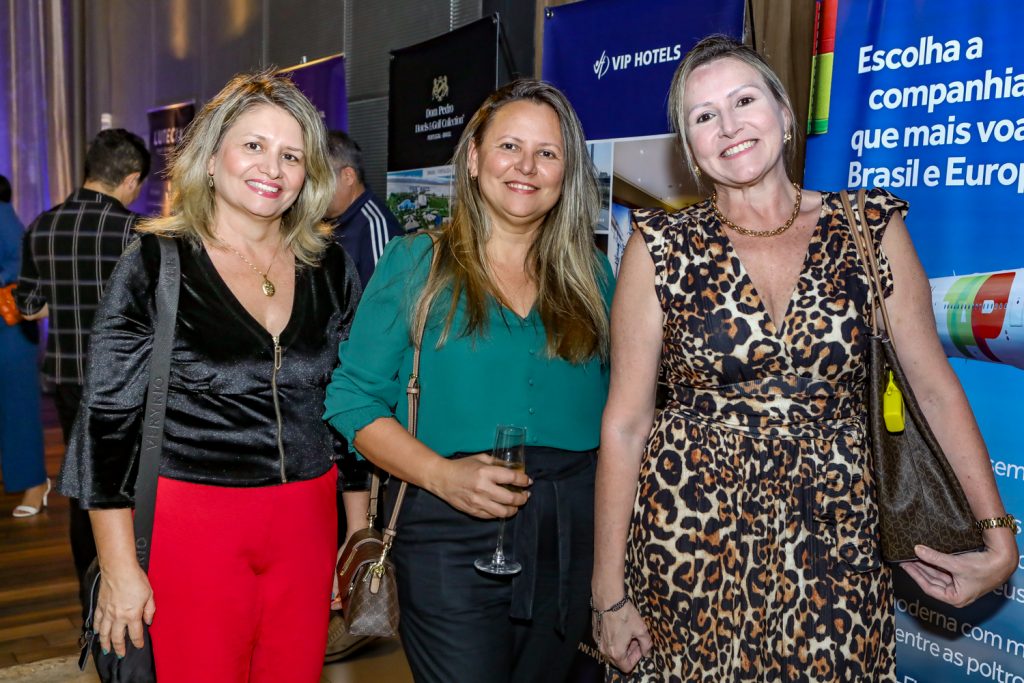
[(1007, 521)]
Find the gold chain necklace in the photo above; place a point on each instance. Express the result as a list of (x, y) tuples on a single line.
[(268, 287), (758, 233)]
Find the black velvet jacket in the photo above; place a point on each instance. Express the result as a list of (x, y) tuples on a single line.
[(221, 425)]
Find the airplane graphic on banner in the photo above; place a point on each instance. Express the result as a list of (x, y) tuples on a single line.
[(981, 316)]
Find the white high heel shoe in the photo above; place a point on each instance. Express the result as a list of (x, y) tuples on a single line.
[(32, 510)]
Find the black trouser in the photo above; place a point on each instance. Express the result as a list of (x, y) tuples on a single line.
[(83, 545), (458, 624)]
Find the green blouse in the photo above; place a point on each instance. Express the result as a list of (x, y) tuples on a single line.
[(471, 384)]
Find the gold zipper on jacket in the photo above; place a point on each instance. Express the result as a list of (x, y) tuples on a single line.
[(277, 404)]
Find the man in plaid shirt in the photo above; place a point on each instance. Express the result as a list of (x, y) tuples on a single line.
[(67, 255)]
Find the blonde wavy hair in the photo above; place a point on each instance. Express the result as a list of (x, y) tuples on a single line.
[(192, 199), (563, 259)]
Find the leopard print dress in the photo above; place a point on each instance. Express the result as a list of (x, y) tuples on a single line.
[(753, 550)]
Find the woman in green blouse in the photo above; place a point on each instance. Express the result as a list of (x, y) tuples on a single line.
[(516, 311)]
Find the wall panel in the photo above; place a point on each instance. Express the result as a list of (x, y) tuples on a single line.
[(177, 44), (232, 41), (312, 29), (381, 26), (368, 125)]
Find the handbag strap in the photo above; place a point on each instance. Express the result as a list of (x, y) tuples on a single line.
[(412, 393), (371, 511), (870, 261), (156, 398)]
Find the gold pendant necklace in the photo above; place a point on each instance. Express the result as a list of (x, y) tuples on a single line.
[(758, 233), (268, 287)]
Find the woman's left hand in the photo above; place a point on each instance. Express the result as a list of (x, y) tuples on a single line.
[(961, 579)]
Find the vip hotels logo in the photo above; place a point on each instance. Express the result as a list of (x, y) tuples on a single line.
[(602, 65), (640, 58), (440, 90)]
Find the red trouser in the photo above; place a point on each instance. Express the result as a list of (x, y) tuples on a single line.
[(242, 581)]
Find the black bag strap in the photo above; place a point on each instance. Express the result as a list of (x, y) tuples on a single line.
[(156, 397)]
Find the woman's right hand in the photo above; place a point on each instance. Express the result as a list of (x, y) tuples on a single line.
[(125, 601), (475, 486), (624, 638)]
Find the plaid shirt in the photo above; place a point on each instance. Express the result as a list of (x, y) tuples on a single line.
[(67, 255)]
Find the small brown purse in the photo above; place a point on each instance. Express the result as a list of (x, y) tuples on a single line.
[(920, 500), (366, 578)]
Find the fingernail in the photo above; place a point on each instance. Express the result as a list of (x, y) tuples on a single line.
[(120, 656), (105, 650)]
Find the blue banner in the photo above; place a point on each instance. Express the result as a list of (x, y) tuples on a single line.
[(323, 82), (615, 59), (166, 128), (926, 98)]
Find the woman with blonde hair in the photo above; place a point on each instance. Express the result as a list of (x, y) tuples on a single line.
[(738, 535), (514, 298), (244, 535)]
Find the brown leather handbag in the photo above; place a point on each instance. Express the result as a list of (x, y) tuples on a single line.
[(366, 579), (366, 575), (920, 500)]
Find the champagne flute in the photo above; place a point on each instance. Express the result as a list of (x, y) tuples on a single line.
[(509, 451)]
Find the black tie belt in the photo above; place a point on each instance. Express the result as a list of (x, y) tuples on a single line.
[(551, 493)]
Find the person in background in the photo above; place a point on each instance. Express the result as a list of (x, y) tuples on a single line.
[(737, 528), (362, 223), (67, 256), (244, 534), (21, 428), (515, 307)]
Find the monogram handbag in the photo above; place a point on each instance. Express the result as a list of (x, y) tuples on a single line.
[(366, 575), (920, 500), (137, 665), (8, 309), (366, 580)]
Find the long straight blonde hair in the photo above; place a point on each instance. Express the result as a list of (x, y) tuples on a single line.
[(192, 197), (563, 259)]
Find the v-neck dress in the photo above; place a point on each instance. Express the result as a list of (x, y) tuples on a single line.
[(753, 549)]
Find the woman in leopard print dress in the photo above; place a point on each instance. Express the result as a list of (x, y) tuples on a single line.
[(741, 518)]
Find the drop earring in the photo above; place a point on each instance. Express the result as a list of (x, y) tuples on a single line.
[(787, 138), (210, 180)]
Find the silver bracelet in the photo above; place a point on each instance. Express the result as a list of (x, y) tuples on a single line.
[(599, 615)]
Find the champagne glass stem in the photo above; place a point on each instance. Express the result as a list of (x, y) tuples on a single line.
[(499, 551)]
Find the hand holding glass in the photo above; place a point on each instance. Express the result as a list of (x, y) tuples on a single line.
[(509, 451)]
